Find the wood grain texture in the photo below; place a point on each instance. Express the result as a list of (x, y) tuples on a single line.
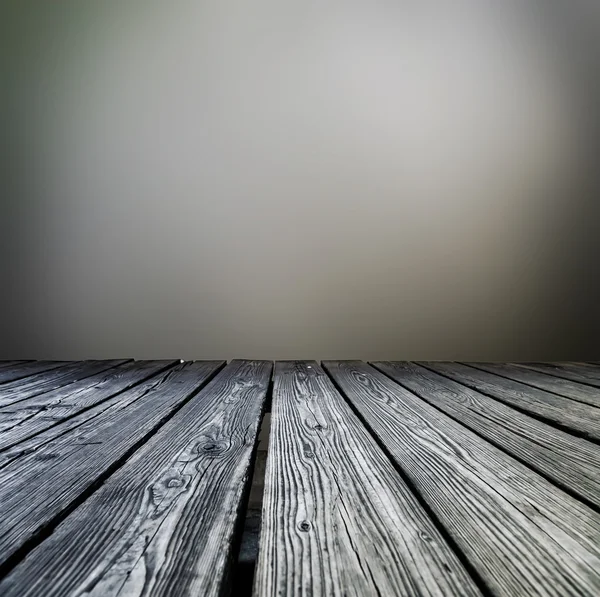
[(27, 368), (21, 389), (575, 363), (118, 400), (27, 418), (579, 373), (570, 461), (36, 489), (523, 534), (337, 518), (164, 523), (543, 381), (572, 415), (5, 364)]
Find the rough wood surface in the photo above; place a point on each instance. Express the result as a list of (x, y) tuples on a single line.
[(569, 461), (115, 403), (21, 389), (27, 418), (5, 364), (164, 523), (27, 368), (580, 373), (337, 517), (543, 381), (524, 535), (572, 415), (37, 489)]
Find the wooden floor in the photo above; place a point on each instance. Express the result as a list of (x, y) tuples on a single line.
[(391, 478)]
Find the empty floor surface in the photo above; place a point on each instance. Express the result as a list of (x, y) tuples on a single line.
[(133, 478)]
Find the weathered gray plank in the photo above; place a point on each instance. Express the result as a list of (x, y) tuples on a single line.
[(578, 363), (164, 523), (543, 381), (572, 415), (37, 489), (581, 374), (27, 368), (27, 418), (567, 364), (118, 400), (523, 534), (5, 364), (337, 517), (570, 461), (47, 381)]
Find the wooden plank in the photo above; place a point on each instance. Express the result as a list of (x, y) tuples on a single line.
[(337, 518), (114, 404), (164, 523), (524, 535), (579, 363), (578, 418), (38, 489), (567, 364), (5, 364), (580, 374), (47, 381), (27, 418), (570, 461), (28, 368), (543, 381)]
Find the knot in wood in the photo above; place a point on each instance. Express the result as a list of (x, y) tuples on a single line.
[(304, 526), (213, 447), (174, 482)]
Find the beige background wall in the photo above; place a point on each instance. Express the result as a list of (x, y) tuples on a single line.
[(295, 179)]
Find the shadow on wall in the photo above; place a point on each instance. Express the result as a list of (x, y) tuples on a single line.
[(219, 179)]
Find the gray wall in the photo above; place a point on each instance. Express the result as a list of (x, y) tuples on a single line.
[(273, 179)]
